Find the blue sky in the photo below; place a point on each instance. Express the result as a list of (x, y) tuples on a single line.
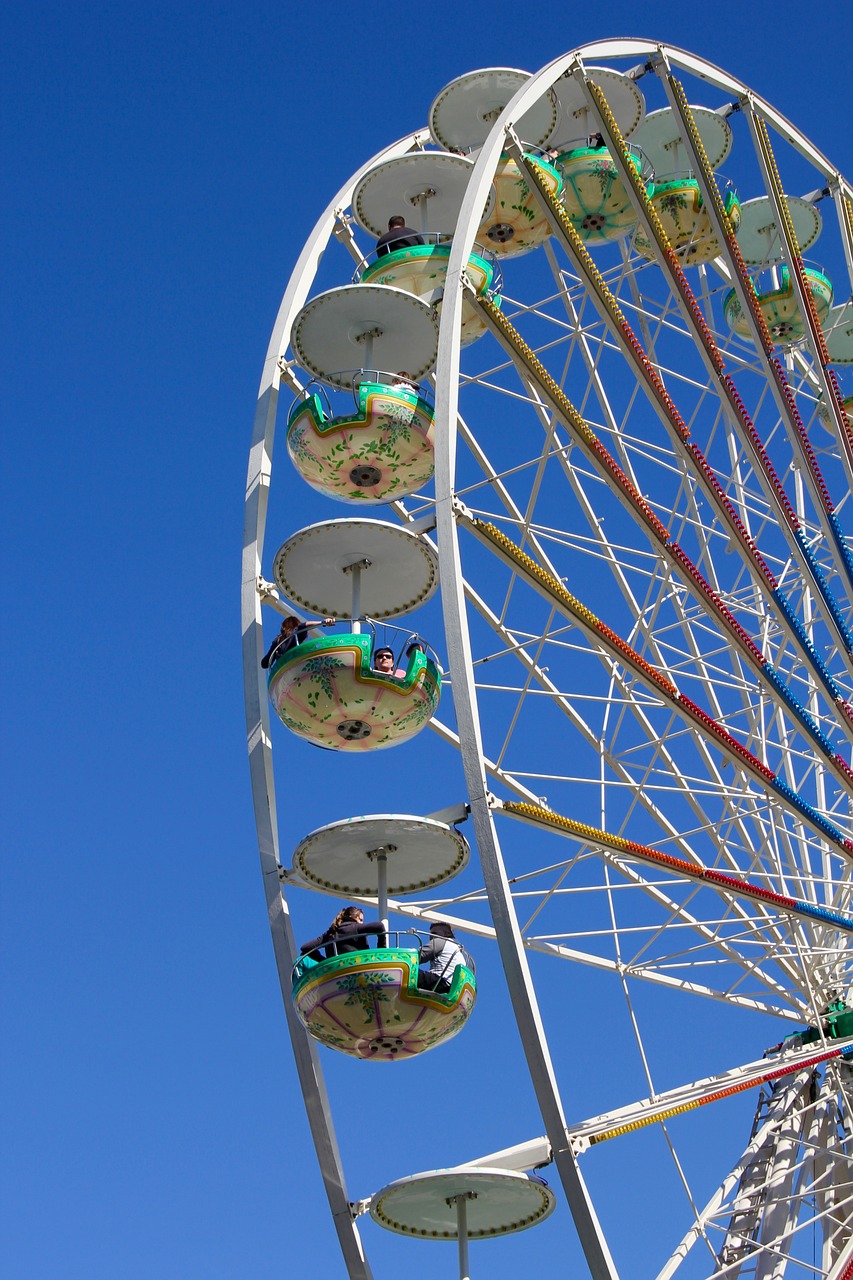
[(164, 166)]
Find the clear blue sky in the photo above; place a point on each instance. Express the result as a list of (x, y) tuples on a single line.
[(163, 166)]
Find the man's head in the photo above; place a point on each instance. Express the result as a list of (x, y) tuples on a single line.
[(396, 221), (383, 659), (439, 929)]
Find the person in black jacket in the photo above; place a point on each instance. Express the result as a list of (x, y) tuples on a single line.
[(398, 236), (293, 632), (347, 932)]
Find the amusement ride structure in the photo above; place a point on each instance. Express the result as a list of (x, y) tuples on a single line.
[(581, 451)]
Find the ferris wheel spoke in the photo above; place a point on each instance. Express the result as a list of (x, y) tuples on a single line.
[(683, 294), (531, 532), (663, 970), (682, 1098), (494, 770), (769, 917), (606, 642), (569, 708), (669, 416), (629, 776), (693, 579)]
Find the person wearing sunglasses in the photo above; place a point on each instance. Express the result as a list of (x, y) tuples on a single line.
[(383, 663)]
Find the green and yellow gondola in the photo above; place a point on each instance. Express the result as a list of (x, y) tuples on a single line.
[(679, 205), (779, 305), (326, 692), (594, 193), (382, 451), (367, 1004), (517, 224)]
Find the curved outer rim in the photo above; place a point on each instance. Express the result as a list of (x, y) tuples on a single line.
[(257, 708), (258, 718)]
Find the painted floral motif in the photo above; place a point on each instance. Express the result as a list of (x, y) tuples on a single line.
[(395, 424), (368, 1006), (384, 451), (321, 670), (366, 990), (779, 306), (418, 715), (298, 446), (517, 224), (603, 170), (522, 203), (333, 699), (672, 203), (334, 1039)]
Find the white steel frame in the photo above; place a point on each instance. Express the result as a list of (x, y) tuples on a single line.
[(775, 951)]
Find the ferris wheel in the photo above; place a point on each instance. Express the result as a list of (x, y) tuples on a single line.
[(596, 392)]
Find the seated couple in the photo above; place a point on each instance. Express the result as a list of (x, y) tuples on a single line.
[(349, 931)]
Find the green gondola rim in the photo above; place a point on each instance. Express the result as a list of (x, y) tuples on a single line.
[(313, 405), (323, 645), (427, 252), (379, 957)]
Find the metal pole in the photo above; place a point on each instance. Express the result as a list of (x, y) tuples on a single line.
[(356, 598), (462, 1235), (422, 201), (382, 889)]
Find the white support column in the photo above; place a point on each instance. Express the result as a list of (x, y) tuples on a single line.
[(462, 1235), (382, 886)]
